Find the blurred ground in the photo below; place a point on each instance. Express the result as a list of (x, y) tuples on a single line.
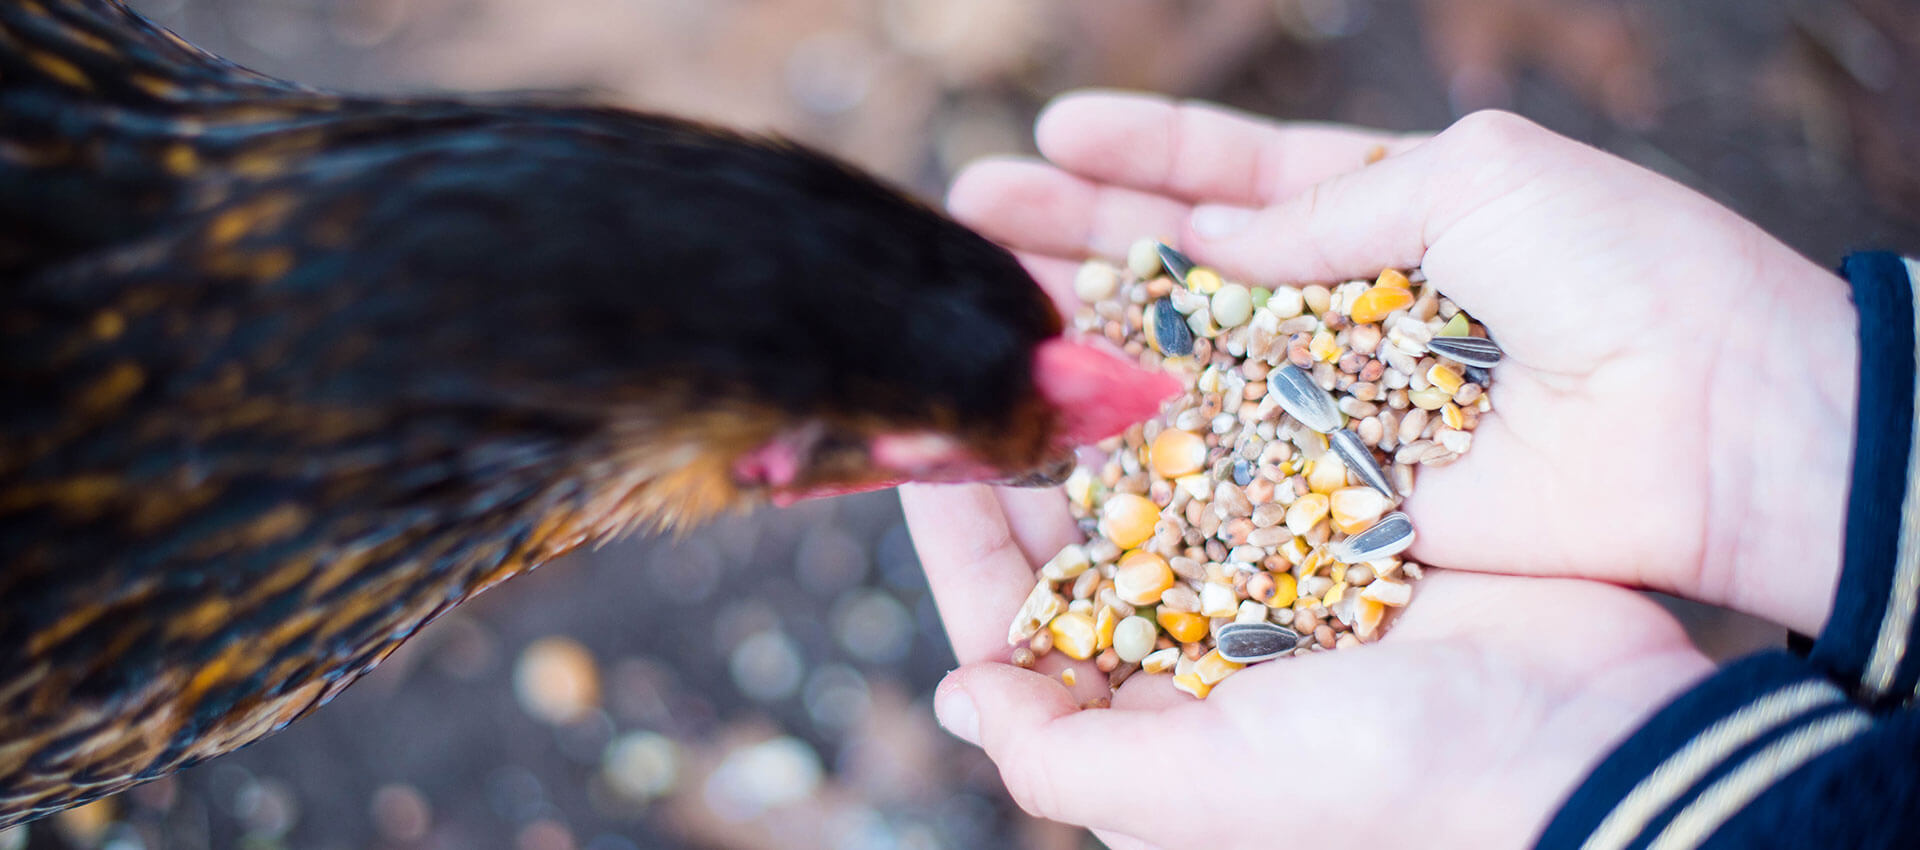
[(776, 668)]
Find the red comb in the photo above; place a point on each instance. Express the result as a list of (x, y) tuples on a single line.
[(1098, 394)]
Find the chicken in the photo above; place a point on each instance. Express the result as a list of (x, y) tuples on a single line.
[(288, 374)]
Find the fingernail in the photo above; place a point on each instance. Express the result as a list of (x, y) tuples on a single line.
[(1213, 221), (958, 716)]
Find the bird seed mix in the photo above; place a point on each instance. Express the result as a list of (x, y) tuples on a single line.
[(1256, 516)]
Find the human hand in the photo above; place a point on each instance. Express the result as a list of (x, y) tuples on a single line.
[(1675, 409), (1467, 725)]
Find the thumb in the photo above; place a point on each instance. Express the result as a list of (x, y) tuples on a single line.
[(1094, 768)]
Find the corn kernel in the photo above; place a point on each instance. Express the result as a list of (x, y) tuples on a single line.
[(1334, 593), (1204, 280), (1214, 667), (1180, 625), (1445, 378), (1323, 346), (1305, 512), (1327, 475), (1176, 453), (1160, 661), (1128, 520), (1081, 486), (1367, 616), (1103, 625), (1355, 509), (1285, 590), (1388, 592), (1073, 634), (1190, 682), (1218, 600), (1375, 303), (1393, 277), (1069, 678), (1069, 563), (1141, 577), (1450, 415)]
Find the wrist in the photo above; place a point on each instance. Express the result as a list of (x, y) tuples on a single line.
[(1789, 413)]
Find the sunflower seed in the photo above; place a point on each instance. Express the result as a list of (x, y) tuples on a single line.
[(1470, 350), (1354, 453), (1168, 329), (1303, 399), (1246, 643), (1386, 538), (1177, 263)]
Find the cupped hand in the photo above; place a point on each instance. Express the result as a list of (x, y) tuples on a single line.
[(1465, 726), (1675, 409)]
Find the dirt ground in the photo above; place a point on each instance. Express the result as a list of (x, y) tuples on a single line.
[(765, 682)]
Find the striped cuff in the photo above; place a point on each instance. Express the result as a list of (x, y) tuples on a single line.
[(1869, 638), (1694, 768)]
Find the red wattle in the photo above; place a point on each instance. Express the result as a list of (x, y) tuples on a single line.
[(1098, 394)]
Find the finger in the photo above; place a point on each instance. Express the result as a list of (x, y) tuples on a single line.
[(1062, 763), (1386, 214), (974, 566), (1034, 207), (1039, 520), (1200, 152)]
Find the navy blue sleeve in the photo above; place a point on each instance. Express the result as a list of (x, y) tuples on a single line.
[(1779, 750), (1768, 752), (1868, 640)]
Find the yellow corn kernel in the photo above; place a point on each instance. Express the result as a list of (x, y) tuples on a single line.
[(1285, 590), (1141, 577), (1073, 634), (1128, 520), (1451, 415), (1323, 346), (1305, 512), (1181, 625), (1327, 475), (1103, 624), (1069, 678), (1338, 589), (1445, 378), (1160, 660), (1190, 682), (1319, 557), (1203, 280), (1378, 301), (1368, 614), (1355, 509), (1176, 453), (1213, 667), (1393, 277)]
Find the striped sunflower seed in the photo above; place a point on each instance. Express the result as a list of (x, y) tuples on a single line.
[(1177, 264), (1303, 399), (1359, 459), (1384, 539), (1470, 350), (1168, 330), (1246, 643)]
